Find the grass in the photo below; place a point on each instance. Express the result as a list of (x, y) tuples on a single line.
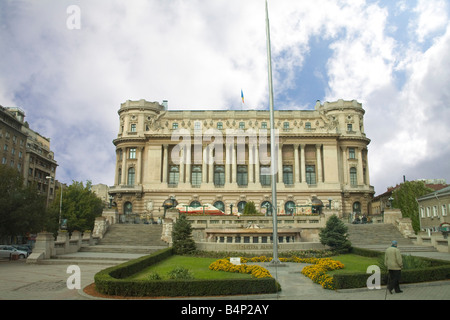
[(198, 266), (353, 263)]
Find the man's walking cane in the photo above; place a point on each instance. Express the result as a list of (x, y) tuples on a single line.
[(387, 284)]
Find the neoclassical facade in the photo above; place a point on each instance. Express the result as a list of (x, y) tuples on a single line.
[(222, 158)]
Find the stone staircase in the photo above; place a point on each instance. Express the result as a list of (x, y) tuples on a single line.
[(122, 242), (378, 236)]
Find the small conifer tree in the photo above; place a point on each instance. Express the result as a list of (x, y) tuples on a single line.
[(335, 235), (250, 208), (182, 236)]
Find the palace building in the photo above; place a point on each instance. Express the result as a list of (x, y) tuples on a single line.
[(222, 158)]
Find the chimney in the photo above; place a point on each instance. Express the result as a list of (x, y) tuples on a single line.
[(165, 104)]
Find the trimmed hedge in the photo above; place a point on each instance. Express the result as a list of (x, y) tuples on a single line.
[(112, 281), (439, 270)]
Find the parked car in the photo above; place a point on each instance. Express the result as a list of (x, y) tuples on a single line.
[(23, 247), (8, 251)]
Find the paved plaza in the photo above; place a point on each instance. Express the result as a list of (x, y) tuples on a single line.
[(22, 281)]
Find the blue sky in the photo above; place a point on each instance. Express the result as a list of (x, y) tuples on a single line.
[(392, 56)]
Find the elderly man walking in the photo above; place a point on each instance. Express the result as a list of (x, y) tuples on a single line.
[(394, 264)]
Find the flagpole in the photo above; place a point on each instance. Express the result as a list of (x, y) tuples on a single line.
[(273, 147)]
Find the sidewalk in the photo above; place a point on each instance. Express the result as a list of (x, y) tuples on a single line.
[(22, 281)]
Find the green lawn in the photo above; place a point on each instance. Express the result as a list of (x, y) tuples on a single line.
[(353, 263), (198, 266)]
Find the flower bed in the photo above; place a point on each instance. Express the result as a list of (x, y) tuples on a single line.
[(227, 266), (317, 271)]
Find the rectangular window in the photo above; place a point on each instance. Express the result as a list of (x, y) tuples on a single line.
[(351, 153), (174, 175), (242, 177), (434, 211), (288, 175), (133, 127), (132, 153), (219, 175), (286, 126), (353, 177), (311, 174), (219, 125), (263, 125), (174, 125), (265, 176), (241, 125), (349, 127), (197, 125), (196, 175), (444, 210)]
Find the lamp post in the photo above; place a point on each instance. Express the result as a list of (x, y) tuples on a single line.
[(49, 178), (273, 147)]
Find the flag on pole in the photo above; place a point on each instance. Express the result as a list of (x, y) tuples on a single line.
[(242, 96)]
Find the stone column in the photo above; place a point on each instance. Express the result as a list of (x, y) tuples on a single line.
[(204, 164), (116, 176), (182, 161), (165, 163), (233, 164), (124, 166), (302, 163), (251, 161), (188, 163), (257, 169), (280, 163), (227, 164), (296, 165), (319, 163), (345, 168), (139, 165), (360, 168), (210, 165)]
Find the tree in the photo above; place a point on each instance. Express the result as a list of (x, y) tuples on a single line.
[(335, 234), (250, 209), (22, 208), (182, 236), (80, 206), (405, 199)]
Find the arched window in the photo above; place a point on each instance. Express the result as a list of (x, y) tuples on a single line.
[(131, 176), (219, 205), (195, 204), (266, 207), (353, 177), (289, 207), (127, 208), (357, 207), (241, 206)]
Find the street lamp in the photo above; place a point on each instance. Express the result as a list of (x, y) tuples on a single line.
[(48, 189)]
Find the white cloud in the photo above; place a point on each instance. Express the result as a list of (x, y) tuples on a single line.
[(200, 54), (432, 16)]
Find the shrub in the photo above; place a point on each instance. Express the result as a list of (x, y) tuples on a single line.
[(180, 273), (182, 236), (335, 235), (154, 276)]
